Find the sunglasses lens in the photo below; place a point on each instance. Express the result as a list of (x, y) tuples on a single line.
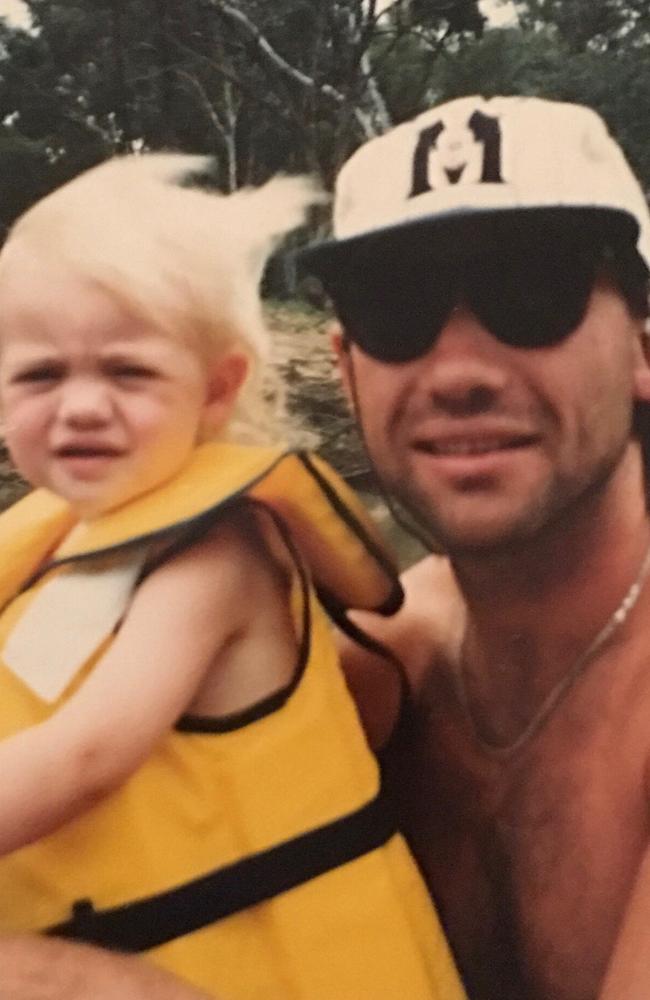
[(536, 296), (395, 315)]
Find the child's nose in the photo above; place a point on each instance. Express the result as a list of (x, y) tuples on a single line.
[(85, 402)]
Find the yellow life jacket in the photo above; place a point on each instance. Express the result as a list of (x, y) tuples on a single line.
[(252, 855)]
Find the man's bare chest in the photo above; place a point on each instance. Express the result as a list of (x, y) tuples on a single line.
[(531, 859)]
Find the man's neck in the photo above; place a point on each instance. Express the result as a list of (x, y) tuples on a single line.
[(534, 608)]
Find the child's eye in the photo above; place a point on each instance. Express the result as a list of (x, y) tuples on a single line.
[(131, 372), (38, 374)]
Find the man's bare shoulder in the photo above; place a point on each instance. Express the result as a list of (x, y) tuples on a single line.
[(428, 627), (431, 584), (430, 623)]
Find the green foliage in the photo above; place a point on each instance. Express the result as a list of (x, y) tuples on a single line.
[(25, 171), (503, 62), (585, 24)]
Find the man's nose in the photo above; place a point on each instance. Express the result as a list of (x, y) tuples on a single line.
[(465, 370), (85, 402)]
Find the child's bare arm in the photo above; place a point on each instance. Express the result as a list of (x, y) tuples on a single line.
[(181, 616), (38, 968)]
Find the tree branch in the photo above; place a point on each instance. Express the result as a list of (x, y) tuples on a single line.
[(270, 54), (365, 119)]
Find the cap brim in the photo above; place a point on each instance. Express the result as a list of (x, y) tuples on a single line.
[(467, 231)]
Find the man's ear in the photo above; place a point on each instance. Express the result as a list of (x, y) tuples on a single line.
[(226, 375), (642, 369), (341, 347)]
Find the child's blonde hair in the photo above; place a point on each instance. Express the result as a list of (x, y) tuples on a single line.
[(185, 259)]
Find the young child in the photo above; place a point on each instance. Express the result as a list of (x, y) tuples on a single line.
[(183, 772)]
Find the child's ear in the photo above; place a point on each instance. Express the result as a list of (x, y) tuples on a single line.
[(226, 375)]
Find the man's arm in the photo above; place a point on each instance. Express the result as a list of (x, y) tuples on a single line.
[(372, 678), (427, 625), (36, 968)]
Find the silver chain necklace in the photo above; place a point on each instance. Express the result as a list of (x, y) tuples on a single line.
[(565, 683)]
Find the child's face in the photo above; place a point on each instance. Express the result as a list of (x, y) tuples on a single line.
[(98, 406)]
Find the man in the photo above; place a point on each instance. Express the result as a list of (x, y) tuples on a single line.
[(490, 275), (489, 272)]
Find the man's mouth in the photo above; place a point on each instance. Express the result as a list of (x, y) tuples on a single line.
[(467, 447)]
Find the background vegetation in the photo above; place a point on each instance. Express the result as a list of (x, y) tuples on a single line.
[(268, 85)]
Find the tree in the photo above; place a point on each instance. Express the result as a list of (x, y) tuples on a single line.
[(292, 85)]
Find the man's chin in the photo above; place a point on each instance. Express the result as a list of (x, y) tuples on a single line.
[(477, 532)]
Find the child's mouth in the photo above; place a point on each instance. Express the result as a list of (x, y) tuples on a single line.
[(88, 451), (87, 461)]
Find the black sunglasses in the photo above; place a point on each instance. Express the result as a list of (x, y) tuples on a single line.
[(530, 295)]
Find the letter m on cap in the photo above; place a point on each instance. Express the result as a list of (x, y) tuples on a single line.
[(486, 133)]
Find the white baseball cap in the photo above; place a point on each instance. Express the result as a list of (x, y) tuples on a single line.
[(458, 167)]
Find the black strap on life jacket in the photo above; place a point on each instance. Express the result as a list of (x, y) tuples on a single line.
[(147, 923)]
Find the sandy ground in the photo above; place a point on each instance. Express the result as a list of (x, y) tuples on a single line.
[(12, 486), (317, 414)]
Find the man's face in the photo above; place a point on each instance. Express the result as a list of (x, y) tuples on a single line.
[(486, 442)]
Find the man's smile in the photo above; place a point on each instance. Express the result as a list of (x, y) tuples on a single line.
[(467, 438), (472, 446)]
